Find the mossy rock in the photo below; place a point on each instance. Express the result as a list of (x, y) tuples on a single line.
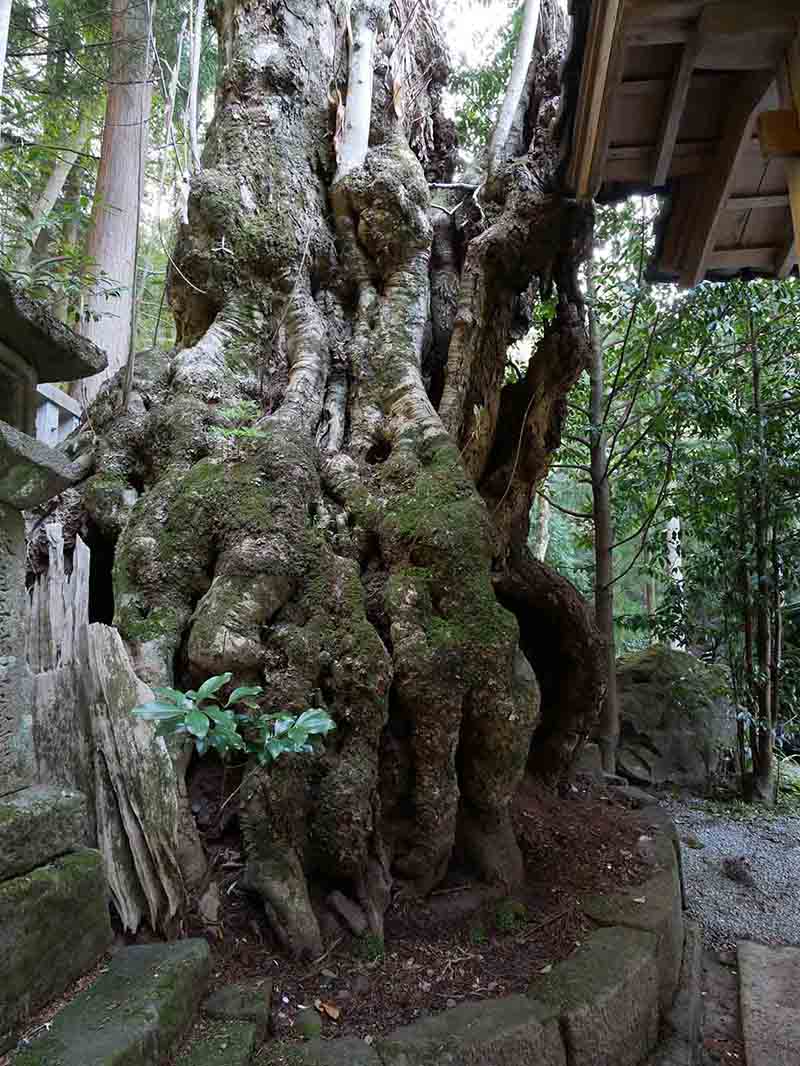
[(677, 718)]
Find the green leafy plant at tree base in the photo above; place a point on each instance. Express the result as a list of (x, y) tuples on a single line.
[(199, 714)]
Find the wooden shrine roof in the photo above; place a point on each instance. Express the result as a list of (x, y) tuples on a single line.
[(665, 96)]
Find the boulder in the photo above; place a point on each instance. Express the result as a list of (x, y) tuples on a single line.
[(677, 718)]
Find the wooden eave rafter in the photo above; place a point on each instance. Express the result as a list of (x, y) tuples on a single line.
[(698, 47)]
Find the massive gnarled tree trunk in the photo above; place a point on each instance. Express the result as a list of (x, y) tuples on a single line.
[(365, 550)]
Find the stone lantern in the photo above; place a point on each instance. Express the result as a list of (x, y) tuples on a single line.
[(34, 348)]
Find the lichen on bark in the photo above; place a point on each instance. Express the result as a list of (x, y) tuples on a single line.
[(349, 554)]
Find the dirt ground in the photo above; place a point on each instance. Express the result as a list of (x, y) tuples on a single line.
[(460, 944)]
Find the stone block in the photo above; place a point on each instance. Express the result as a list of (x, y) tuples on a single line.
[(133, 1014), (513, 1031), (243, 1003), (606, 998), (655, 907), (348, 1051), (221, 1042), (769, 995), (15, 681), (54, 925), (31, 472), (38, 824), (55, 351)]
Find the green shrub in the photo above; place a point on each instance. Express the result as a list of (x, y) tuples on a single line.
[(200, 715)]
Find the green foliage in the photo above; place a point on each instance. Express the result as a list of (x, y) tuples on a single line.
[(510, 915), (480, 89), (370, 946), (478, 935), (199, 714)]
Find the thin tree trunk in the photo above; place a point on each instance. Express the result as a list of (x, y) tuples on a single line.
[(70, 234), (675, 569), (777, 629), (516, 84), (763, 775), (111, 245), (608, 732), (54, 186), (540, 538), (747, 615), (352, 148), (194, 82), (5, 21)]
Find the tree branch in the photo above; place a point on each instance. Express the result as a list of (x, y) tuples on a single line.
[(584, 517)]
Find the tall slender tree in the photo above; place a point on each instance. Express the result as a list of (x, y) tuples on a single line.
[(113, 233)]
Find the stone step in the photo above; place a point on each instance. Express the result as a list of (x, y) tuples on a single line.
[(769, 996), (54, 926), (235, 1021), (134, 1014), (219, 1042)]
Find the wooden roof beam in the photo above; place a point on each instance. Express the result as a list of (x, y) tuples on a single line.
[(603, 39), (673, 112), (758, 202), (715, 191)]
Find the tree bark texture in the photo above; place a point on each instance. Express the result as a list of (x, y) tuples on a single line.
[(111, 244), (602, 520), (364, 550)]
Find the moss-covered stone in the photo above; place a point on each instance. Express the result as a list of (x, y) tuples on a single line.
[(677, 718), (38, 824), (222, 1042), (242, 1003), (54, 925), (132, 1015), (606, 998), (514, 1031)]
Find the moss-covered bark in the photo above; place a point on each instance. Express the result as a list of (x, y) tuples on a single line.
[(346, 553)]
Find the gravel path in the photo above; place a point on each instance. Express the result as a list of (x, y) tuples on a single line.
[(761, 901)]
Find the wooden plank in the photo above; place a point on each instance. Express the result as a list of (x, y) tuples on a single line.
[(757, 203), (616, 68), (737, 131), (679, 227), (742, 259), (603, 29), (635, 164), (673, 112), (658, 86), (649, 34), (742, 35)]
